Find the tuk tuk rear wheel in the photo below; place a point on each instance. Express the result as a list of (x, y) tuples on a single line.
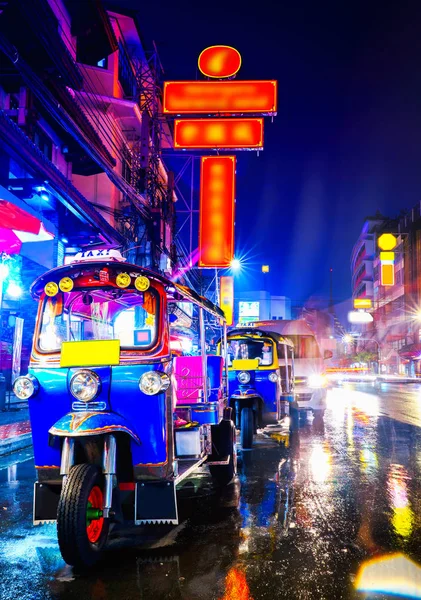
[(223, 474), (247, 428), (81, 529)]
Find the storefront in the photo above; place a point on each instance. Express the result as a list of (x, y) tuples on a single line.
[(27, 249)]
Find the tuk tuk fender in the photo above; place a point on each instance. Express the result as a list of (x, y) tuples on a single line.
[(81, 424)]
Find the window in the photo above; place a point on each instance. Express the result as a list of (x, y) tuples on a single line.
[(126, 171), (125, 72), (251, 349), (43, 142), (103, 63)]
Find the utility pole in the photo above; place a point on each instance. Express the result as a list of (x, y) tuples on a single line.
[(331, 291)]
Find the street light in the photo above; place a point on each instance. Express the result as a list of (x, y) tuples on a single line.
[(14, 290), (236, 265)]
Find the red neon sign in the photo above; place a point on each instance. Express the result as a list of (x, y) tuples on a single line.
[(216, 226), (219, 61), (213, 97), (218, 133)]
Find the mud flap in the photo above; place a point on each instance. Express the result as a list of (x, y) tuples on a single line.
[(46, 498), (156, 503)]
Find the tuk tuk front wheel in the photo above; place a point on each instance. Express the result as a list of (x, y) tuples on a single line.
[(247, 428), (81, 529)]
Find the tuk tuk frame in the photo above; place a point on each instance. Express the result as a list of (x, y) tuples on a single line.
[(259, 401), (102, 443)]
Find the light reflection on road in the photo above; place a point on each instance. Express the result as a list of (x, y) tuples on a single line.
[(329, 509)]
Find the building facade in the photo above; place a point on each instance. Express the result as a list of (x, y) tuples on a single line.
[(260, 305), (396, 309), (81, 136)]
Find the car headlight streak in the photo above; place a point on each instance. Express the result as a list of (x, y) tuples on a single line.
[(85, 385), (317, 381), (243, 376), (154, 382), (26, 386)]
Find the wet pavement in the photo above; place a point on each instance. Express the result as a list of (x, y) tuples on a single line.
[(330, 509)]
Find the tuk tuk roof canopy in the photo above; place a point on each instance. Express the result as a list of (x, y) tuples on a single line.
[(276, 337), (175, 291)]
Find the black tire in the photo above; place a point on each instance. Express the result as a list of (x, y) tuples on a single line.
[(223, 474), (247, 428), (294, 415), (75, 547)]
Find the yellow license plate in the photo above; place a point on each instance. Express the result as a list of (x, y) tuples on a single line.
[(94, 353)]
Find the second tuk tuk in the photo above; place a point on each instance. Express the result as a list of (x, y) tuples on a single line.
[(118, 422), (261, 379)]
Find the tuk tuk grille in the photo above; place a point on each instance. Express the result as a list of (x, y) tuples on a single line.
[(88, 406)]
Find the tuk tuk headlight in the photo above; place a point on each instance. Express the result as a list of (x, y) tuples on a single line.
[(243, 376), (154, 382), (273, 377), (85, 385), (26, 386)]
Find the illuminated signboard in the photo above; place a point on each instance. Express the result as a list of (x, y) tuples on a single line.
[(218, 133), (248, 312), (387, 274), (362, 303), (227, 298), (387, 241), (216, 222), (219, 61), (212, 97), (359, 316)]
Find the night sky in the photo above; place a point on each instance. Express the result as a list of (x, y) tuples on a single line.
[(347, 138)]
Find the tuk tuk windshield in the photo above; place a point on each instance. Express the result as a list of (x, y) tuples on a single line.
[(250, 348), (99, 314)]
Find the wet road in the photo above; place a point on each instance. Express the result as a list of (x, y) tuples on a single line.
[(320, 512)]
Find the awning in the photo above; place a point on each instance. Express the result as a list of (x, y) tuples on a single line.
[(13, 217), (23, 232), (411, 351), (18, 226)]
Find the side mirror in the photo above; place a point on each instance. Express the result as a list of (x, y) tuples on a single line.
[(327, 354)]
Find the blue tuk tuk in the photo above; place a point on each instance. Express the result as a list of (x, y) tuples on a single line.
[(118, 421), (261, 379)]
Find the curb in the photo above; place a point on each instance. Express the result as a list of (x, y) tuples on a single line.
[(15, 443)]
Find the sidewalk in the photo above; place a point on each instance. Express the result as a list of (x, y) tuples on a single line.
[(15, 431)]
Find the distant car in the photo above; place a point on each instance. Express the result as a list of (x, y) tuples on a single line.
[(310, 382)]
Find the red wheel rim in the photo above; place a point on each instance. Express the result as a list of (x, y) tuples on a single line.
[(94, 526)]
